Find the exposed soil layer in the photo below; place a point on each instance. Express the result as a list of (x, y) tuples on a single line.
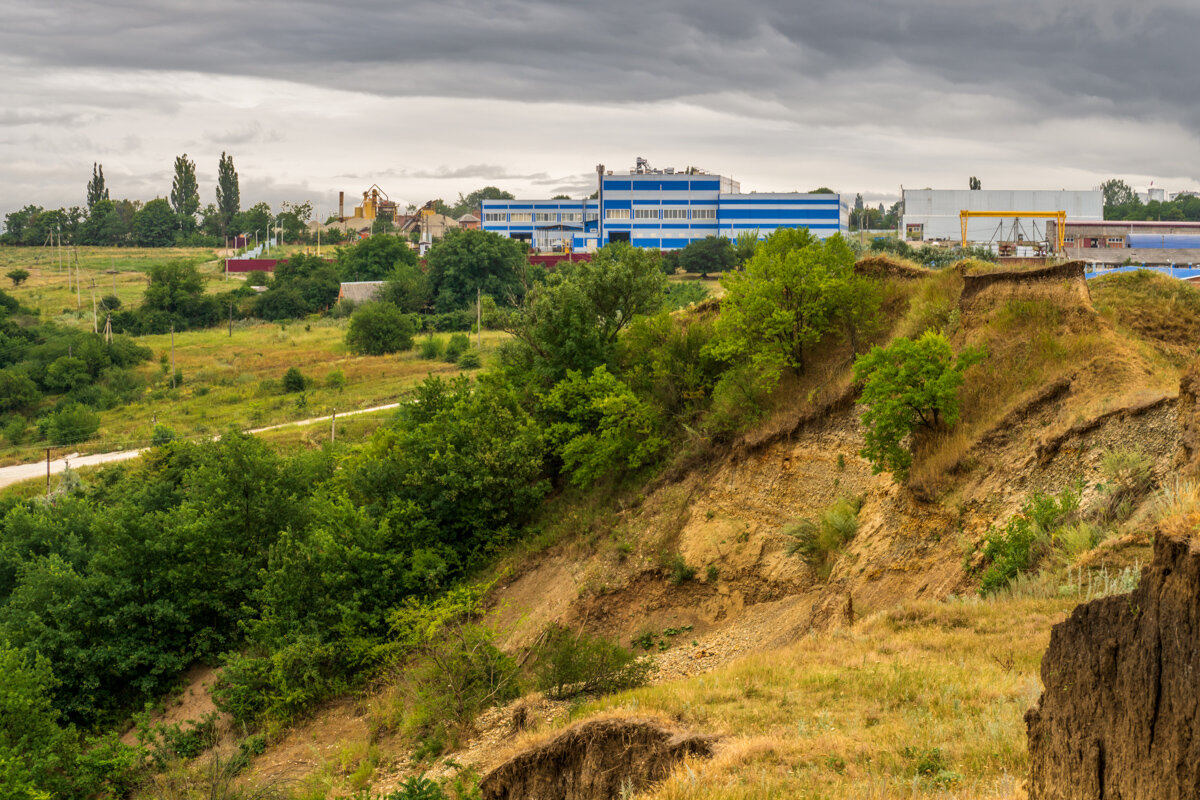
[(1070, 271), (1120, 714), (595, 760)]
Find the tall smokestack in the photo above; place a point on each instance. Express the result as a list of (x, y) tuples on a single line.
[(341, 206)]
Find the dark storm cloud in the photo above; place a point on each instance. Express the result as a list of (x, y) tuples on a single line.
[(1053, 58)]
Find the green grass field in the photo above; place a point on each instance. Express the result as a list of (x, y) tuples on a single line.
[(51, 288)]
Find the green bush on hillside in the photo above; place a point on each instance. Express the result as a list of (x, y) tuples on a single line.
[(571, 663), (909, 385), (380, 328)]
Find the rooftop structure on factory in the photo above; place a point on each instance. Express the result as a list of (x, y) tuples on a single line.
[(661, 208)]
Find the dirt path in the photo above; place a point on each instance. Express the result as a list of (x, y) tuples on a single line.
[(37, 469)]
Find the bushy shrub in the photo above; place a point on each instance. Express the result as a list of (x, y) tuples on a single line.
[(162, 435), (294, 380), (470, 359), (336, 379), (71, 424), (570, 663), (678, 570), (379, 328), (431, 348), (600, 427), (820, 541), (458, 344), (1025, 538)]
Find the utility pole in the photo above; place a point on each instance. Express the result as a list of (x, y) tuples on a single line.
[(108, 329), (478, 318), (47, 471), (172, 355), (78, 279), (230, 319), (95, 329)]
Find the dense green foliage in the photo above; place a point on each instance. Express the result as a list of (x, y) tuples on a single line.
[(380, 328), (599, 426), (573, 319), (185, 193), (471, 261), (1024, 539), (710, 254), (571, 663), (174, 298), (154, 224), (790, 295), (375, 258), (908, 385), (229, 197)]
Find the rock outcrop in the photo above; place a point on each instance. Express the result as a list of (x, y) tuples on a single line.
[(595, 760), (1120, 713)]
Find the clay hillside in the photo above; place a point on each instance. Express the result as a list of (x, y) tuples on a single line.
[(809, 626)]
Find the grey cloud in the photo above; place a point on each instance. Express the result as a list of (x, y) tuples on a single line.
[(249, 133), (1054, 57)]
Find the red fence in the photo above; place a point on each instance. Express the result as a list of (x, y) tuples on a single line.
[(551, 259), (250, 264)]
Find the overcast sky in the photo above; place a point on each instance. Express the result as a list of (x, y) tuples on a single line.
[(432, 99)]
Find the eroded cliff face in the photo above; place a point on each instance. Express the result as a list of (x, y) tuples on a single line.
[(1120, 713)]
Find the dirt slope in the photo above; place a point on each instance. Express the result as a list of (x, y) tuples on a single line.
[(1059, 387)]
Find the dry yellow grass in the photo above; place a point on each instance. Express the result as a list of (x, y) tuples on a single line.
[(925, 700)]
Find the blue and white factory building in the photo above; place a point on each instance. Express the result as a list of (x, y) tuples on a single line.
[(662, 209)]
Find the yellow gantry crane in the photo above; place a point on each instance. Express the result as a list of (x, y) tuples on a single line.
[(1060, 216)]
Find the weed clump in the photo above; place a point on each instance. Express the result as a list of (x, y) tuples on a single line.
[(571, 664), (820, 541)]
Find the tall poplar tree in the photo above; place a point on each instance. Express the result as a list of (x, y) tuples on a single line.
[(185, 193), (229, 200), (96, 190)]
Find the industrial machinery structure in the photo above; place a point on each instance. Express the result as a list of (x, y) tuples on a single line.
[(375, 205), (1007, 242)]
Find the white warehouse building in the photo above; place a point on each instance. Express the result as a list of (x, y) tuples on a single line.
[(934, 214)]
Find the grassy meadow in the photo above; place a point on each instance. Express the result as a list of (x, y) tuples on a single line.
[(228, 380)]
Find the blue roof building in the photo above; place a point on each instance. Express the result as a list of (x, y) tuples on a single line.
[(661, 209)]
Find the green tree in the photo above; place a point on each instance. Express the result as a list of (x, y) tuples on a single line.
[(573, 319), (18, 392), (374, 258), (784, 301), (467, 456), (96, 190), (35, 752), (104, 225), (185, 193), (154, 224), (467, 261), (256, 219), (71, 424), (407, 288), (379, 328), (599, 426), (229, 199), (17, 276), (710, 254), (1117, 193), (472, 202), (908, 386)]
